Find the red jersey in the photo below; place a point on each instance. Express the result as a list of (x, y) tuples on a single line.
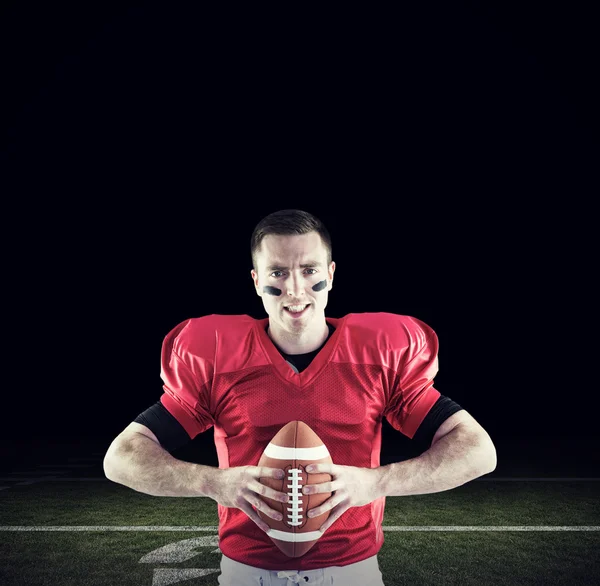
[(225, 371)]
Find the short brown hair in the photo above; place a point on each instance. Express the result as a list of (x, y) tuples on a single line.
[(287, 222)]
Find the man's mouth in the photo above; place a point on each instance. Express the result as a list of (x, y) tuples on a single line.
[(296, 309)]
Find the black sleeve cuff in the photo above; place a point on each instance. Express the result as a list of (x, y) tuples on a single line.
[(441, 410), (169, 432)]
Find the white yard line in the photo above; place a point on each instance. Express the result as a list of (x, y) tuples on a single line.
[(385, 528), (33, 476)]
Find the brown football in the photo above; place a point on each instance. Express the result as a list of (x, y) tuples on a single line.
[(294, 447)]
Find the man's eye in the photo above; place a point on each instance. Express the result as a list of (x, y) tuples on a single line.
[(276, 274)]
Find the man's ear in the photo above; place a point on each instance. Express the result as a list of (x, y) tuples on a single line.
[(254, 280)]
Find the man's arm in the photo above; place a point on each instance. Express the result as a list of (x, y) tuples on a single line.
[(461, 451), (136, 459)]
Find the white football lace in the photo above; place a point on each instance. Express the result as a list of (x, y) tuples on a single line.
[(295, 497)]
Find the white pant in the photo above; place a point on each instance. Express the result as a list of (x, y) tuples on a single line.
[(365, 573)]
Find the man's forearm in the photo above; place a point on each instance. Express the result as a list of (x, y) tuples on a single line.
[(456, 458), (143, 465)]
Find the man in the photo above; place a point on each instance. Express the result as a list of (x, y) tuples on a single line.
[(341, 376)]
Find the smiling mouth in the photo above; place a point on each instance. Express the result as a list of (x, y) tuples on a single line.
[(296, 309)]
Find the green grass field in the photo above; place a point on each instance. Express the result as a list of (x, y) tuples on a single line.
[(73, 527), (94, 540)]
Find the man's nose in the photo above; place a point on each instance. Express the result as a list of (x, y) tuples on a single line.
[(294, 286)]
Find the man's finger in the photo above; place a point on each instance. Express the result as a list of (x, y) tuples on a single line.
[(264, 472)]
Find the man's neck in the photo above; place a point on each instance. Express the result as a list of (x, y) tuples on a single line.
[(290, 344)]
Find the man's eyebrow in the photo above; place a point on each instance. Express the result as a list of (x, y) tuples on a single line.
[(309, 264)]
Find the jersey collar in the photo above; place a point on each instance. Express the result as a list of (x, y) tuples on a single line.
[(282, 367)]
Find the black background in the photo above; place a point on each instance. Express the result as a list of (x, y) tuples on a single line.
[(451, 150)]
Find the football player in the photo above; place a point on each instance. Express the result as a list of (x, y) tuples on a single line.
[(249, 377)]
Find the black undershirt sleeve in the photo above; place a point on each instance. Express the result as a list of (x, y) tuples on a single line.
[(171, 435), (169, 432), (443, 408)]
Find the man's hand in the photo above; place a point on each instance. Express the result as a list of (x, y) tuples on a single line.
[(351, 487), (239, 486)]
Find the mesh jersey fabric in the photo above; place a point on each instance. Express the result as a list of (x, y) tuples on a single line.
[(172, 436), (224, 371)]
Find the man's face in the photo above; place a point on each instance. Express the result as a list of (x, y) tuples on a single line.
[(292, 271)]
